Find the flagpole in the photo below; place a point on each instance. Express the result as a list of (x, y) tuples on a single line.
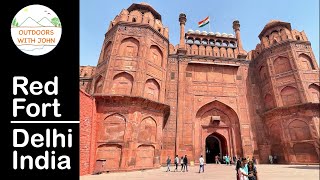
[(209, 25)]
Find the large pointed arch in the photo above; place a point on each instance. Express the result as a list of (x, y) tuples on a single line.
[(221, 107), (217, 117)]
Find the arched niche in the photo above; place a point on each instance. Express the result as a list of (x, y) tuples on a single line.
[(98, 84), (314, 91), (268, 100), (129, 47), (122, 84), (113, 128), (156, 55), (299, 130), (290, 96), (145, 156), (305, 62), (148, 130), (281, 65), (152, 89)]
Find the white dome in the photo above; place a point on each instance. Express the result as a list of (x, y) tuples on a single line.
[(231, 35), (197, 31), (224, 34), (218, 34), (211, 33), (190, 31), (204, 32)]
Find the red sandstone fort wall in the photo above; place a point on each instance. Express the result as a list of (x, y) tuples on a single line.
[(87, 124), (146, 104)]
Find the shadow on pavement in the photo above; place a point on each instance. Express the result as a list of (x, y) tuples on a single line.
[(304, 167)]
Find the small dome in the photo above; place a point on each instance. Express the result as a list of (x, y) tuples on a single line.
[(204, 33), (144, 3), (224, 34), (197, 31), (273, 21), (218, 34), (211, 33), (190, 31), (231, 35)]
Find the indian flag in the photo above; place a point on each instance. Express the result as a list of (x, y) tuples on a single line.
[(204, 22)]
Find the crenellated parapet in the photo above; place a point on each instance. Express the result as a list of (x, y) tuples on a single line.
[(141, 14)]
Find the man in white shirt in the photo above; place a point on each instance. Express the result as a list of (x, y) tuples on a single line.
[(176, 162), (201, 161)]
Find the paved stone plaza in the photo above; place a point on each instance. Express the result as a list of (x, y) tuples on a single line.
[(212, 171)]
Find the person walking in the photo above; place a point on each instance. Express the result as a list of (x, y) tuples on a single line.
[(168, 163), (176, 162), (227, 159), (201, 162), (217, 159), (234, 159), (181, 162), (185, 163), (275, 159)]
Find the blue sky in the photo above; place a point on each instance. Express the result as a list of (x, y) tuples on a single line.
[(95, 16)]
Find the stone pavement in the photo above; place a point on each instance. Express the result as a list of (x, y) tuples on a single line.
[(213, 171)]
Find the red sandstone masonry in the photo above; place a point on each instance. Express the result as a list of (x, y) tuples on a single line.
[(258, 103), (87, 114)]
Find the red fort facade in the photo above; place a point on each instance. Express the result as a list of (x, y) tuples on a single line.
[(147, 99)]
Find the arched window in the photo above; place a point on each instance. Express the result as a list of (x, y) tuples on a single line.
[(129, 47), (113, 128), (269, 103), (122, 84), (98, 85), (197, 41), (299, 130), (152, 89), (314, 91), (106, 52), (281, 65), (305, 62), (134, 19), (263, 73), (156, 55), (147, 130), (290, 96)]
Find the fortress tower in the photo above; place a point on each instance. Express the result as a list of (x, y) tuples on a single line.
[(129, 91), (287, 74)]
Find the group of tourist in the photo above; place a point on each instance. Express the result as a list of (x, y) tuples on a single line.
[(226, 159), (183, 161), (273, 159), (246, 170)]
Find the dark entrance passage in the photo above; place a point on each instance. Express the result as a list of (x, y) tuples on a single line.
[(215, 145)]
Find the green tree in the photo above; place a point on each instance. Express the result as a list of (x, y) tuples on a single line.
[(15, 23), (56, 21)]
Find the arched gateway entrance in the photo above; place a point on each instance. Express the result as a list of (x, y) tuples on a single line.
[(217, 132), (215, 145)]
